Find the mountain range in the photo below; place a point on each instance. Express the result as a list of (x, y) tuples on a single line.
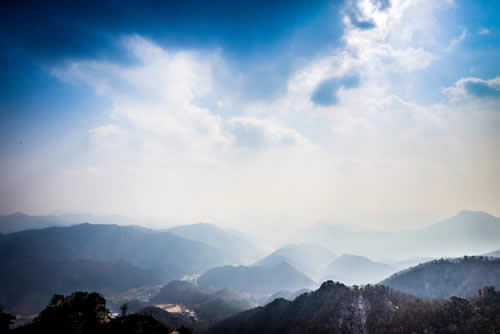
[(336, 308), (59, 252), (19, 221), (468, 232), (494, 254), (353, 269), (209, 307), (255, 279), (447, 277), (309, 259), (234, 246)]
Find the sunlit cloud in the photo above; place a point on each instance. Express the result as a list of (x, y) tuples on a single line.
[(179, 139)]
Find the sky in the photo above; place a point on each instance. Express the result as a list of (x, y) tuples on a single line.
[(380, 113)]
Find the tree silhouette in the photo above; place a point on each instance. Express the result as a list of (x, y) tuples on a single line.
[(124, 309), (6, 319), (81, 312)]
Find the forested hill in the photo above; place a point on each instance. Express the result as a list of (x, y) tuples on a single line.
[(336, 308), (448, 277)]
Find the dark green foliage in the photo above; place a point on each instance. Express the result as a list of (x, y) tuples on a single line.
[(86, 313), (80, 312)]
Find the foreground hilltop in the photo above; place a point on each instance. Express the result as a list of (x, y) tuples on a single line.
[(336, 308)]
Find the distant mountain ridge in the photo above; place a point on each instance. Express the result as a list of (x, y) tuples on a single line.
[(468, 232), (447, 277), (19, 222), (30, 282), (159, 255), (494, 254), (353, 269), (309, 259), (234, 246), (255, 279)]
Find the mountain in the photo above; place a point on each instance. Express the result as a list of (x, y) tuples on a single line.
[(447, 277), (19, 222), (404, 264), (286, 295), (30, 282), (468, 232), (472, 232), (493, 254), (342, 239), (180, 292), (168, 319), (158, 255), (234, 246), (208, 307), (310, 259), (336, 308), (163, 252), (352, 269), (255, 279)]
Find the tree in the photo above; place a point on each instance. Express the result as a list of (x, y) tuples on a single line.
[(81, 312), (124, 309), (6, 319)]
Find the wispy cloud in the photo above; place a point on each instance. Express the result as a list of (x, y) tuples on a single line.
[(179, 140), (484, 31)]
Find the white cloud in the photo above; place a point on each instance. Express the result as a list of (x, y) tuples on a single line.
[(484, 31), (474, 88), (454, 42), (167, 149), (257, 133)]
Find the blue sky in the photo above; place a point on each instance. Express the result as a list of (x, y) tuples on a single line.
[(228, 110)]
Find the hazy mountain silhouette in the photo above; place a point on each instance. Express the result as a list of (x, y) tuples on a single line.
[(30, 282), (167, 254), (235, 247), (468, 232), (494, 254), (471, 232), (404, 264), (353, 269), (336, 308), (255, 279), (154, 255), (19, 222), (310, 259), (447, 277)]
